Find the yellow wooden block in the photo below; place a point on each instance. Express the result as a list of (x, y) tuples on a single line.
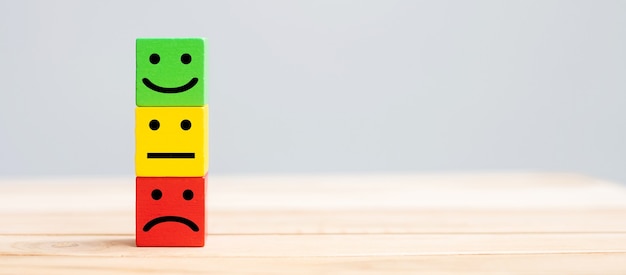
[(171, 141)]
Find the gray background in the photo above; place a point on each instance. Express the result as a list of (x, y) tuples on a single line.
[(327, 86)]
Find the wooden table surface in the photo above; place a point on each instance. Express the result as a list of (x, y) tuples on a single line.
[(360, 224)]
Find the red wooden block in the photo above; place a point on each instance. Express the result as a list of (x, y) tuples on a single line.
[(170, 211)]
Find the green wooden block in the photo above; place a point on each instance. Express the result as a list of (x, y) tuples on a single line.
[(171, 72)]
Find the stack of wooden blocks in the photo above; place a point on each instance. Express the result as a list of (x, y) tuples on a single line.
[(171, 136)]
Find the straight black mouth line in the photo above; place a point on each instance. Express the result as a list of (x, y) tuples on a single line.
[(178, 219), (171, 155), (168, 90)]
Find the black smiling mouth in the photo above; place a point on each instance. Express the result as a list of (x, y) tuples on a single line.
[(193, 226), (171, 155), (168, 90)]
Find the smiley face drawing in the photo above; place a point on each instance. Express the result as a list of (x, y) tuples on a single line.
[(171, 72), (170, 211), (171, 141)]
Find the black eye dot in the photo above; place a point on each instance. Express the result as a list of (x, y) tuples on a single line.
[(185, 58), (155, 58), (154, 124), (156, 194), (188, 194), (185, 124)]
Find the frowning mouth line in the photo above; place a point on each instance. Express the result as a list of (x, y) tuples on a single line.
[(178, 219), (171, 155)]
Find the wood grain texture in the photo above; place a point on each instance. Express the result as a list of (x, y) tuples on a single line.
[(574, 264), (342, 224)]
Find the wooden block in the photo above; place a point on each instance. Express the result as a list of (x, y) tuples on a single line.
[(171, 72), (170, 211), (171, 141)]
